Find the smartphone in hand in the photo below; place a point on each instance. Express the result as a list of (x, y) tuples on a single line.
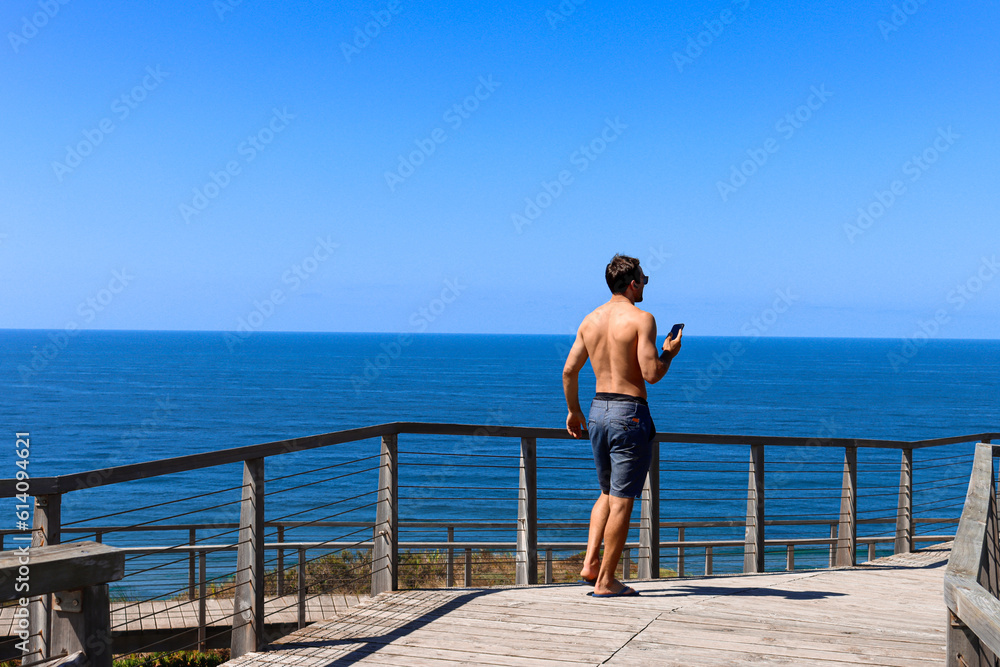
[(674, 330)]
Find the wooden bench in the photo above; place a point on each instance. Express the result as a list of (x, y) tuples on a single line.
[(63, 594)]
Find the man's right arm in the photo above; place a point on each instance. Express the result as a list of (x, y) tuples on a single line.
[(653, 362), (576, 423)]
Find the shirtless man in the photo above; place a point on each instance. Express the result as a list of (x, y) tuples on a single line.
[(620, 340)]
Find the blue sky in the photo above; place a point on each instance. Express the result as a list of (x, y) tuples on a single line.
[(794, 170)]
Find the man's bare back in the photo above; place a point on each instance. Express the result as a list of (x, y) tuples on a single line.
[(611, 335), (620, 340)]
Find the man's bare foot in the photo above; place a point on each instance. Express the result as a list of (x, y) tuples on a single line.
[(590, 571), (613, 587)]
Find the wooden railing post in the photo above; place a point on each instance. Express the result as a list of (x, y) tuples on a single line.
[(47, 525), (450, 568), (904, 509), (649, 520), (753, 552), (248, 601), (989, 568), (680, 552), (46, 528), (202, 595), (385, 558), (833, 543), (961, 644), (973, 564), (847, 530), (302, 589), (526, 564), (76, 576), (192, 540), (281, 562)]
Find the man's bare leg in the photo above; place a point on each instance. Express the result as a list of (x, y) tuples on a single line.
[(615, 535), (598, 520)]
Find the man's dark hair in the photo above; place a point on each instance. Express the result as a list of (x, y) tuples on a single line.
[(621, 271)]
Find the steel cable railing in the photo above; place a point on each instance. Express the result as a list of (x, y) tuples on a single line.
[(448, 502), (940, 473), (141, 548)]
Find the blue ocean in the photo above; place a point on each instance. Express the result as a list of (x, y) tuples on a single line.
[(108, 398)]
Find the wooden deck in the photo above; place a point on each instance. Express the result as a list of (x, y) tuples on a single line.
[(887, 612)]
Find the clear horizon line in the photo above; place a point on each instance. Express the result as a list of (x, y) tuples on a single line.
[(458, 333)]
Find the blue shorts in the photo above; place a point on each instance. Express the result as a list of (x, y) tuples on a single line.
[(621, 434)]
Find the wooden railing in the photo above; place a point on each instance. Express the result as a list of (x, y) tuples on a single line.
[(248, 633), (972, 580), (68, 584)]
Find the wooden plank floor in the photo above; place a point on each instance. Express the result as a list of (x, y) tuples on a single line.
[(181, 615), (887, 612)]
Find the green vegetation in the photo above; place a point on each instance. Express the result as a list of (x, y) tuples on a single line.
[(177, 659), (349, 572), (341, 572)]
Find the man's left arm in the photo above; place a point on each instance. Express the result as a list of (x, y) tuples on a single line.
[(576, 423)]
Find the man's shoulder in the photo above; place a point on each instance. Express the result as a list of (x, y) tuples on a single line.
[(596, 315), (642, 316), (632, 313), (644, 322)]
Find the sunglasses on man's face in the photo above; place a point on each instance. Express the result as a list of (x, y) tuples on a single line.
[(645, 280)]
